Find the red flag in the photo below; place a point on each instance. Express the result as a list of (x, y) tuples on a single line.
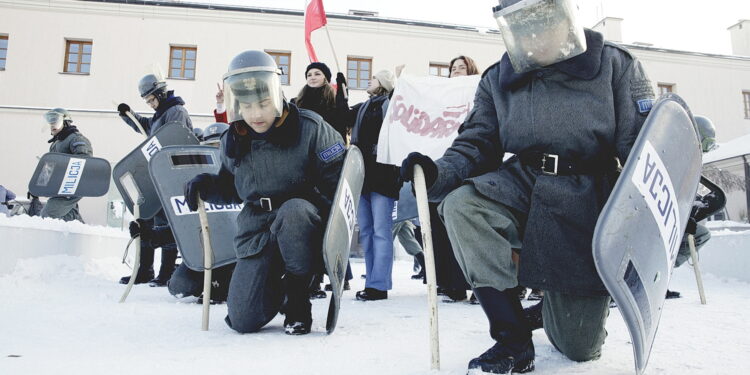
[(315, 18)]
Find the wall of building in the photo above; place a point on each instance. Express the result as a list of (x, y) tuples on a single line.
[(128, 40)]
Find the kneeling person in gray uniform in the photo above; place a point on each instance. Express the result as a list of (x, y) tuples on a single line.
[(566, 116), (66, 139), (283, 163)]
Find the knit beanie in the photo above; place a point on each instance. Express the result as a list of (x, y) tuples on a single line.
[(387, 79), (323, 68)]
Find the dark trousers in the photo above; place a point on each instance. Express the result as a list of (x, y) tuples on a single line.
[(256, 291)]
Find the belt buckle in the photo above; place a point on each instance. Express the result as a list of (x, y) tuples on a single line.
[(265, 204), (554, 157)]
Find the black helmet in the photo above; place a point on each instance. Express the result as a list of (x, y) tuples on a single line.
[(151, 85), (252, 77)]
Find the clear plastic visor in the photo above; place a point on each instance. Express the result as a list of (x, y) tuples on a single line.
[(54, 121), (53, 117), (251, 94), (539, 33)]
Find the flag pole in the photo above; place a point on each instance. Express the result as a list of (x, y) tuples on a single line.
[(335, 57)]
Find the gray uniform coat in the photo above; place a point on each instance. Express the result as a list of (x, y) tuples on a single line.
[(71, 142), (588, 107), (174, 112), (67, 141), (302, 158)]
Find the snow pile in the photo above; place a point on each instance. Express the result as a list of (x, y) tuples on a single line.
[(61, 316), (26, 237)]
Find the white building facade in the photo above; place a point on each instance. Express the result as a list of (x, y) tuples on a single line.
[(87, 56)]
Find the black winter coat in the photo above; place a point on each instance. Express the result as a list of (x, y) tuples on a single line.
[(379, 178)]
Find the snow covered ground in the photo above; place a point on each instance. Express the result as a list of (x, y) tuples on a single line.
[(59, 315)]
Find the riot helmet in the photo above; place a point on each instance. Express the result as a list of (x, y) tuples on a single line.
[(707, 132), (253, 90), (152, 85), (56, 118), (198, 133), (212, 133), (539, 33)]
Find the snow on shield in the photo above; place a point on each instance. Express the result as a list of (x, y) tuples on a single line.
[(639, 231)]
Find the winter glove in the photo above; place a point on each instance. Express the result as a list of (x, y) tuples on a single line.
[(199, 186), (140, 228), (428, 167), (123, 109), (692, 226), (340, 80)]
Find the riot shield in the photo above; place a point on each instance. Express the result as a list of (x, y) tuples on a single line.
[(65, 175), (338, 236), (171, 168), (638, 233), (131, 173)]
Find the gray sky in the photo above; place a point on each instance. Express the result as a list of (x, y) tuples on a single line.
[(690, 25)]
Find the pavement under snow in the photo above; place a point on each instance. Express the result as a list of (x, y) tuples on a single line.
[(60, 315)]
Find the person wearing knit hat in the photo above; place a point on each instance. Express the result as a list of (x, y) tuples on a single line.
[(379, 192), (386, 79), (320, 66), (319, 96)]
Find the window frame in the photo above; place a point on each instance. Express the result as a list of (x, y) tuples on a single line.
[(79, 62), (4, 60), (276, 54), (746, 103), (439, 67), (358, 60), (664, 87), (183, 59)]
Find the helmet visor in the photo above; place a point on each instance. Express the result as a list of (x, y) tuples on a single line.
[(251, 94), (538, 33), (54, 121), (53, 117)]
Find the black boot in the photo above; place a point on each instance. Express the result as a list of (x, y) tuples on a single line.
[(420, 275), (371, 294), (146, 269), (315, 291), (454, 295), (514, 351), (168, 258), (298, 309), (672, 294), (533, 315), (142, 277)]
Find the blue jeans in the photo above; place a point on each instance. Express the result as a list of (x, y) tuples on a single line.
[(375, 223)]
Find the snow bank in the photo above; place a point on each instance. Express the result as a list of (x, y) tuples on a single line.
[(29, 237)]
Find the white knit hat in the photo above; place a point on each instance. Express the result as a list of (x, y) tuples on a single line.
[(387, 79)]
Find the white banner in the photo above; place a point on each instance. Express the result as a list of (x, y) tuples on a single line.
[(424, 115)]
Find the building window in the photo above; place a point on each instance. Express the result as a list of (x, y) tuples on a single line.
[(284, 62), (439, 70), (746, 99), (77, 57), (182, 62), (665, 88), (3, 50), (359, 71)]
